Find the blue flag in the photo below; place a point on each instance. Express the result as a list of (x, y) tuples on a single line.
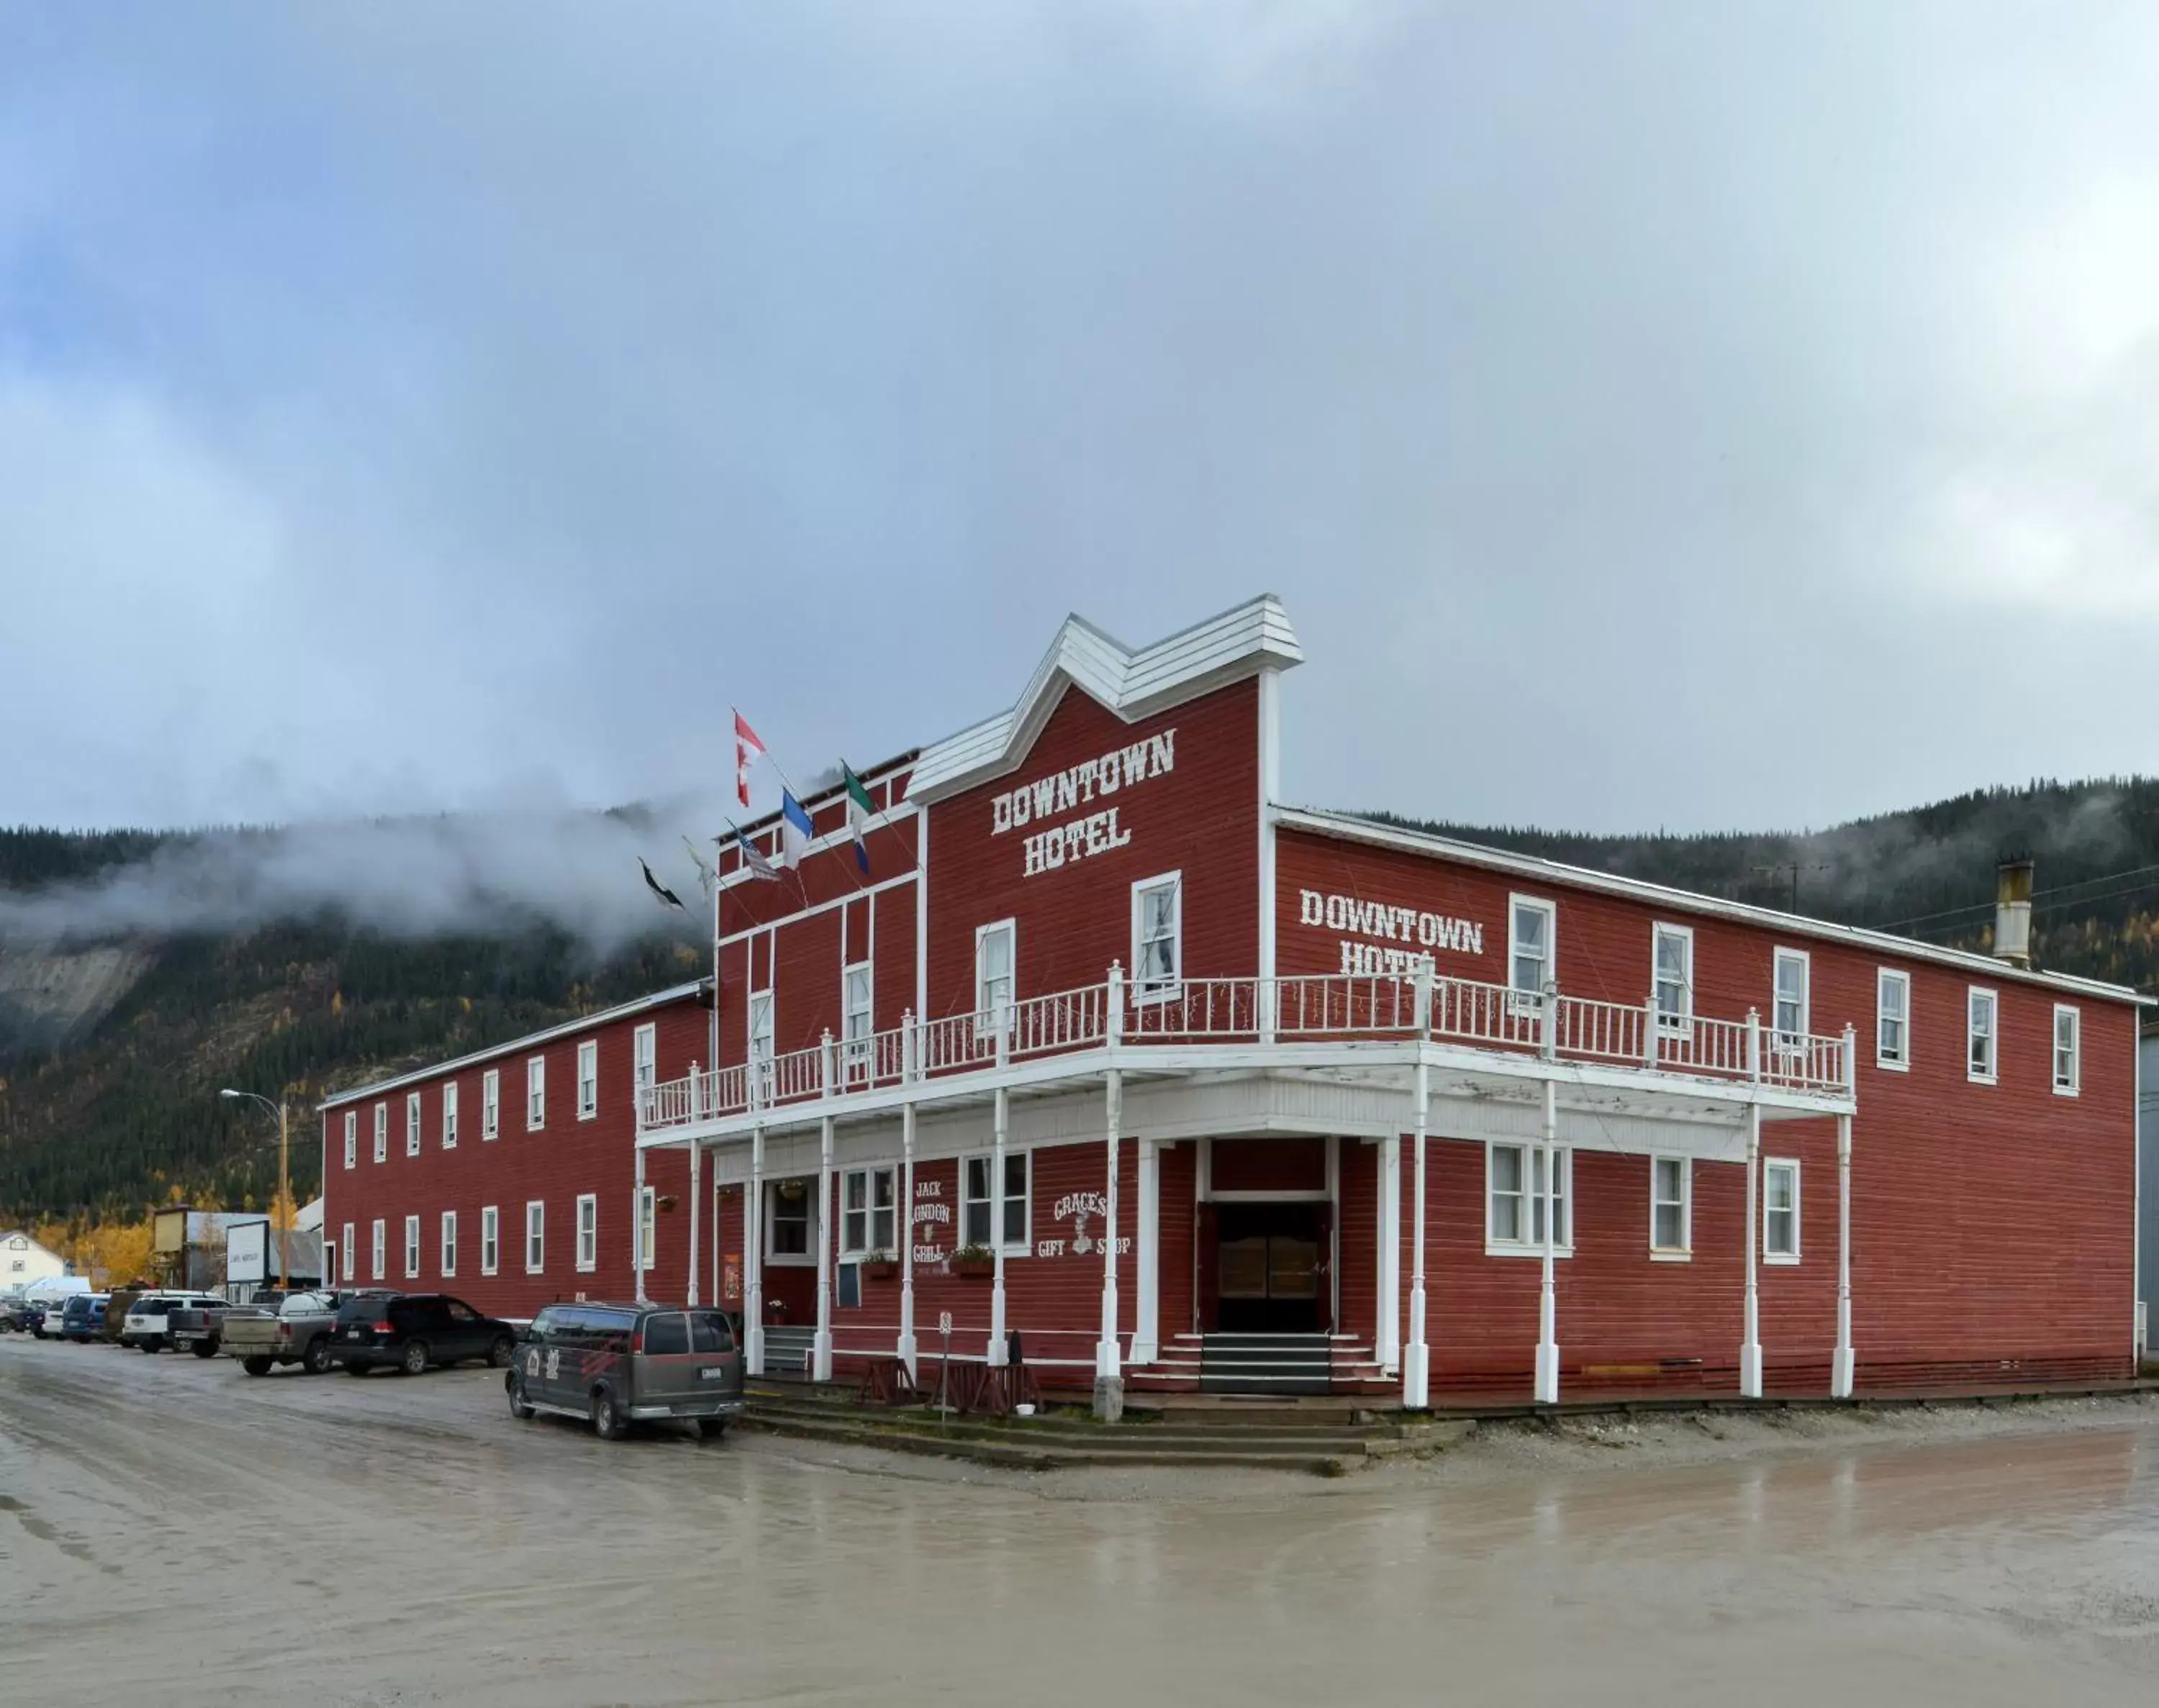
[(794, 830)]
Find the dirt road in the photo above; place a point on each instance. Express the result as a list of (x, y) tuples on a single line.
[(172, 1532)]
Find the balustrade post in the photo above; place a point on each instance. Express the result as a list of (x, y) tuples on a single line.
[(1650, 1022), (1424, 999), (909, 1053), (697, 1101), (1548, 1045), (1754, 1044), (1115, 1017)]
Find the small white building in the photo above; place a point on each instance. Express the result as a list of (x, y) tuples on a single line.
[(22, 1260)]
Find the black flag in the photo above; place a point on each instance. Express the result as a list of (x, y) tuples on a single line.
[(658, 889)]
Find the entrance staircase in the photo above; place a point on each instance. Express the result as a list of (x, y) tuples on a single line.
[(1260, 1363), (787, 1350)]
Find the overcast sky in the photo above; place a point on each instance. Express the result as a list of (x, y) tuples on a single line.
[(1680, 414)]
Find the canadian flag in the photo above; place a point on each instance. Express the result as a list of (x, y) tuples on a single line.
[(748, 750)]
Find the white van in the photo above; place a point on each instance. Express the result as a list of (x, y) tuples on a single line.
[(143, 1327)]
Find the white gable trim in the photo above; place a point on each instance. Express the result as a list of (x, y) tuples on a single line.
[(1253, 638)]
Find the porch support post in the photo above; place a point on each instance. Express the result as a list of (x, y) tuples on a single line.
[(1417, 1363), (910, 1062), (1547, 1384), (697, 1157), (637, 1226), (1001, 1129), (1842, 1372), (1145, 1329), (820, 1344), (1109, 1376), (1750, 1350), (753, 1257), (1386, 1340)]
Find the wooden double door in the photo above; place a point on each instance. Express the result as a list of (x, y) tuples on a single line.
[(1265, 1267)]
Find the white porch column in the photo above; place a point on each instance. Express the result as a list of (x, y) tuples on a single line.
[(754, 1258), (1000, 1130), (1109, 1377), (1416, 1362), (1386, 1340), (1750, 1349), (1843, 1371), (821, 1344), (697, 1154), (910, 1046), (637, 1226), (1147, 1331), (1547, 1379)]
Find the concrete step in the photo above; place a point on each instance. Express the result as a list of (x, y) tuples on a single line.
[(1028, 1455), (1211, 1436)]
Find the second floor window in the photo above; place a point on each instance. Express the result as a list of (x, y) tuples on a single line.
[(1789, 1017), (647, 1055), (1979, 1030), (994, 956), (2067, 1050), (856, 986), (412, 1124), (450, 1116), (1157, 907), (589, 1079), (1892, 1019), (381, 1130), (1531, 930), (1674, 974), (351, 1143), (535, 1094), (490, 1103)]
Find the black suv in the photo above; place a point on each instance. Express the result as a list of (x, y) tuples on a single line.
[(411, 1331)]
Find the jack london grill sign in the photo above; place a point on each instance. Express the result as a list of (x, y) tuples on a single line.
[(1077, 786), (1419, 935)]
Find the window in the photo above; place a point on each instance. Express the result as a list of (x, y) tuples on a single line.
[(490, 1103), (667, 1336), (1780, 1211), (1671, 973), (535, 1094), (381, 1130), (411, 1123), (490, 1233), (1157, 959), (588, 1232), (869, 1207), (1892, 1020), (994, 957), (1532, 926), (1979, 1033), (589, 1079), (1008, 1215), (647, 1230), (412, 1247), (535, 1236), (760, 1042), (449, 1244), (1671, 1180), (789, 1220), (375, 1266), (645, 1055), (1515, 1176), (352, 1137), (450, 1116), (344, 1254), (2068, 1065), (856, 987), (1789, 1011)]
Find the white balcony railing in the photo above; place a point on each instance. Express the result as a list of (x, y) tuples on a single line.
[(1338, 1007)]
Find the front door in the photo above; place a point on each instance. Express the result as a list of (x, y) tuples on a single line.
[(1270, 1267)]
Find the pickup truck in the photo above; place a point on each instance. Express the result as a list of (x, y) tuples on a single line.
[(296, 1330), (199, 1328)]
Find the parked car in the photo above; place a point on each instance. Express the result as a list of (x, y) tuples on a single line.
[(146, 1328), (82, 1318), (408, 1331), (200, 1328), (14, 1309), (619, 1364), (33, 1314), (296, 1329)]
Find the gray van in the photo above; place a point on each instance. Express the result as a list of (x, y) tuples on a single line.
[(620, 1364)]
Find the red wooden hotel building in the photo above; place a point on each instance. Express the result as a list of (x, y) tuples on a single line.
[(1113, 1056)]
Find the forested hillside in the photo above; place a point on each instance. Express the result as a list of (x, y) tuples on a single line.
[(112, 1052)]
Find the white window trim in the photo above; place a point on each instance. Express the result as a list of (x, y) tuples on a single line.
[(1884, 978), (2075, 1083), (775, 1259), (1024, 1246), (490, 1104), (644, 1055), (449, 1115), (345, 1255), (530, 1205), (589, 1084), (351, 1137), (587, 1252), (856, 1254), (538, 1124), (1792, 1039), (448, 1254), (1169, 991), (1993, 1075), (411, 1248), (1684, 1251), (855, 1059), (377, 1249), (1549, 909), (646, 1258), (1562, 1165), (1798, 1240), (381, 1131), (1681, 1024), (490, 1239), (984, 1025), (412, 1121)]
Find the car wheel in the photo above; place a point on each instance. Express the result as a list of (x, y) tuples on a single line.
[(520, 1408), (255, 1366), (317, 1357), (416, 1357), (204, 1348), (609, 1423), (499, 1352)]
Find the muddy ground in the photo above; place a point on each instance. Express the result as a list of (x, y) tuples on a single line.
[(173, 1532)]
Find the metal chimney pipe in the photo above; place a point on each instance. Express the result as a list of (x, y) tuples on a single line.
[(2012, 911)]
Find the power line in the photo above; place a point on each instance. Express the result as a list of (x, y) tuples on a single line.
[(2056, 891)]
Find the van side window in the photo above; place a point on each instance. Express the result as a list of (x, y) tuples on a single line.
[(709, 1333), (666, 1335)]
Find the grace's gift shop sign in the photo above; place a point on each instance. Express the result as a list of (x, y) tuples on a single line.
[(1077, 1207), (1396, 939), (1065, 792)]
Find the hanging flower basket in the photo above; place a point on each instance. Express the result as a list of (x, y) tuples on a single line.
[(975, 1260), (880, 1265)]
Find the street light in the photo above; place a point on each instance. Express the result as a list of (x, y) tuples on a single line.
[(284, 1191)]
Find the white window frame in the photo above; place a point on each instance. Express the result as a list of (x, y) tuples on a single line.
[(381, 1131), (1972, 997), (1886, 978), (2073, 1083), (986, 1024), (1684, 1251), (1679, 1021), (1517, 904), (344, 1254), (807, 1257), (757, 1043), (411, 1248), (490, 1104), (535, 1093), (377, 1252), (644, 1055), (648, 1229), (1563, 1167), (490, 1239), (588, 1232), (351, 1137), (868, 1173), (1149, 989), (1789, 1038), (589, 1079), (449, 1115), (1772, 1165), (449, 1252), (411, 1123), (536, 1233), (998, 1200), (857, 1020)]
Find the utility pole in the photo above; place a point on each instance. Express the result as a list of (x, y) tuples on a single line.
[(283, 1221)]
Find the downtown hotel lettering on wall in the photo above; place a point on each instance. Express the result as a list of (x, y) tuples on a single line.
[(1067, 791), (1402, 938)]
